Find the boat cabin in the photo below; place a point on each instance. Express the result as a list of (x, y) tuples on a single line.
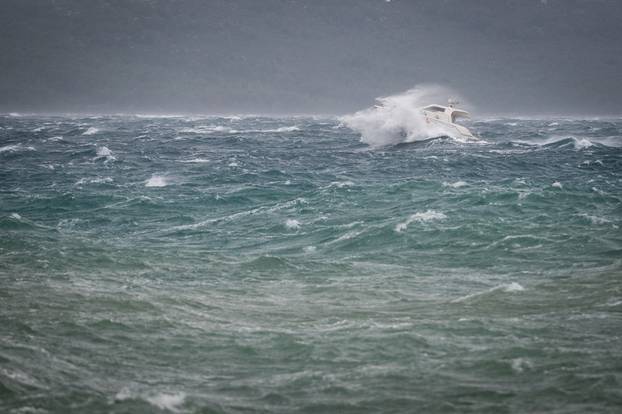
[(445, 113)]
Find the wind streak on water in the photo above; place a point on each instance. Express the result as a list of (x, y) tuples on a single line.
[(282, 265)]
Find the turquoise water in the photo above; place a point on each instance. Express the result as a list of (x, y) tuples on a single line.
[(229, 265)]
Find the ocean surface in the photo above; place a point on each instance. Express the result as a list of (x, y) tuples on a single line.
[(282, 265)]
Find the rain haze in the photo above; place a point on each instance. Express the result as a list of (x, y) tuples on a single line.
[(302, 56)]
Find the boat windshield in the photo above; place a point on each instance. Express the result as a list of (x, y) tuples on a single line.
[(459, 114), (434, 108)]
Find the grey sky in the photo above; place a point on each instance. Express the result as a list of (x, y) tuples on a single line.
[(307, 56)]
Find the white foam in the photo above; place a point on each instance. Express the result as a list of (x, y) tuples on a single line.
[(123, 394), (598, 191), (557, 184), (11, 148), (166, 401), (594, 219), (292, 224), (520, 364), (420, 217), (578, 143), (156, 181), (104, 152), (309, 249), (98, 180), (581, 143), (15, 148), (398, 118), (340, 184), (91, 131), (589, 162), (195, 160), (457, 184), (55, 138), (15, 216), (513, 287), (283, 129), (163, 400), (208, 129)]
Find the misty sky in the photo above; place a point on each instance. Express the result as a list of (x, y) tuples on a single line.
[(307, 56)]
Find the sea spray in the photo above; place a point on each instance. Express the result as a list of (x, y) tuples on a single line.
[(398, 118)]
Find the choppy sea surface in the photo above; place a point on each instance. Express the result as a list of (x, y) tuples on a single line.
[(280, 265)]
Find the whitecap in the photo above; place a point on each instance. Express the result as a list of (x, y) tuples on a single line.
[(167, 401), (98, 180), (156, 181), (15, 216), (340, 184), (15, 148), (578, 143), (520, 364), (10, 148), (163, 401), (457, 184), (123, 394), (208, 129), (91, 131), (283, 129), (582, 143), (557, 184), (309, 249), (614, 302), (292, 224), (104, 152), (513, 287), (195, 161), (420, 217), (598, 191)]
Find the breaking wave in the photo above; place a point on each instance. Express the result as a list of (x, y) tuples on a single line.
[(578, 143), (91, 131), (156, 181), (398, 118), (421, 218)]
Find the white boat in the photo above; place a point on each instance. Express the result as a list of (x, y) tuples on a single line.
[(445, 117)]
